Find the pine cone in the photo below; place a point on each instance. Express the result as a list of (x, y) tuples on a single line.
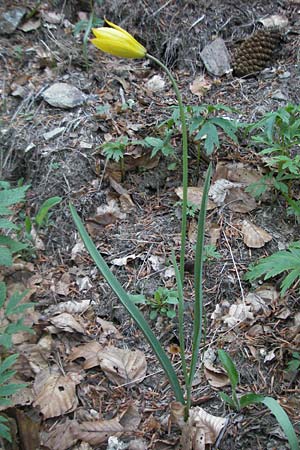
[(256, 53)]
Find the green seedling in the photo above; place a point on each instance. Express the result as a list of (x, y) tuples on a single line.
[(245, 400), (86, 26), (43, 215), (277, 134), (211, 253), (204, 125), (9, 246), (162, 303), (284, 262), (294, 364), (11, 322)]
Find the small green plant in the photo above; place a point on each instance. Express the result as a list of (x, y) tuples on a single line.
[(9, 246), (158, 145), (284, 262), (162, 303), (294, 364), (9, 326), (211, 253), (245, 400), (277, 134), (42, 217), (204, 125), (86, 26), (11, 310), (191, 208)]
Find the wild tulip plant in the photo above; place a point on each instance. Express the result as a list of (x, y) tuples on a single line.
[(118, 42)]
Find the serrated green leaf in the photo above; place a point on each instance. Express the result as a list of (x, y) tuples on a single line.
[(6, 376), (8, 362), (6, 224), (2, 293), (5, 340), (10, 389), (10, 197), (227, 126), (14, 301), (5, 257), (14, 246), (211, 139), (4, 430)]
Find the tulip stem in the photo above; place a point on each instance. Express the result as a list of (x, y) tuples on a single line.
[(184, 161)]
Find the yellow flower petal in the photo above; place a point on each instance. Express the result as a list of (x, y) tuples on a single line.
[(117, 42)]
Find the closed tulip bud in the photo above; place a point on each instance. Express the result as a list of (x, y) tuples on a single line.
[(117, 42)]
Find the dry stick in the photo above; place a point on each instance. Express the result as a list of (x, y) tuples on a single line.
[(235, 268)]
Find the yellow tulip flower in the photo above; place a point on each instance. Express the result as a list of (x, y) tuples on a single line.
[(117, 42)]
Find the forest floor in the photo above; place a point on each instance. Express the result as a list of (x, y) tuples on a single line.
[(134, 219)]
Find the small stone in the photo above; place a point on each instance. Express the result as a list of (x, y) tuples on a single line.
[(216, 58), (63, 95), (53, 133), (279, 95), (285, 75), (10, 20), (156, 84)]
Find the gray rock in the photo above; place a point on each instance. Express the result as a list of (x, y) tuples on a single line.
[(216, 58), (53, 133), (279, 95), (10, 19), (63, 95)]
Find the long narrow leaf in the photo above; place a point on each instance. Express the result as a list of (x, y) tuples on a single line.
[(129, 306), (198, 307), (281, 417), (180, 319)]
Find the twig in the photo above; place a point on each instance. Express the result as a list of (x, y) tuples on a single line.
[(235, 268), (162, 7), (196, 22)]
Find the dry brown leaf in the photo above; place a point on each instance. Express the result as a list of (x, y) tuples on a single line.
[(108, 329), (105, 215), (130, 419), (28, 431), (123, 261), (284, 313), (193, 231), (214, 233), (200, 86), (98, 432), (89, 352), (62, 287), (201, 429), (123, 366), (219, 190), (61, 437), (194, 195), (55, 393), (254, 236), (240, 201), (237, 314), (241, 173), (66, 322), (71, 307), (215, 376)]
